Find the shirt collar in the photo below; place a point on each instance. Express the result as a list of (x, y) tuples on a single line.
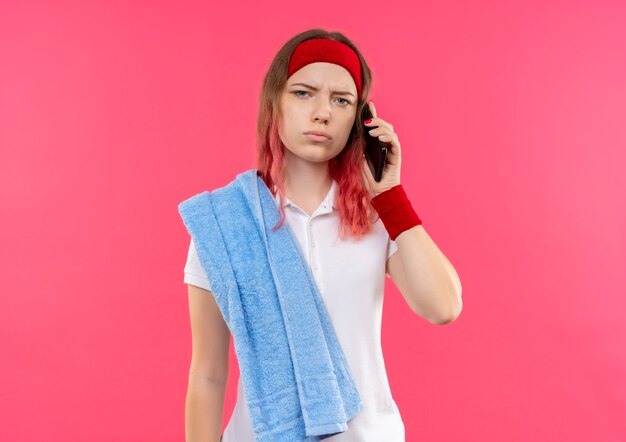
[(329, 200)]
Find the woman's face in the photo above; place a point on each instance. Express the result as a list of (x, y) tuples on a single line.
[(331, 109)]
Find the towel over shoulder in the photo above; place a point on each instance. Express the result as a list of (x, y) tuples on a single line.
[(297, 381)]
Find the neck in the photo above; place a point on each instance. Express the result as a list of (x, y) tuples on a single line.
[(307, 183)]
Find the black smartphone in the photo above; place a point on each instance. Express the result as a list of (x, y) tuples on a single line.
[(375, 150)]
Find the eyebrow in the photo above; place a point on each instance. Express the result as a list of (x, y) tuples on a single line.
[(316, 89)]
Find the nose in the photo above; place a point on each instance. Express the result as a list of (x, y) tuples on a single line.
[(321, 114), (320, 119)]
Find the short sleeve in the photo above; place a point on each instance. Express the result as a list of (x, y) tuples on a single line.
[(391, 249), (194, 273)]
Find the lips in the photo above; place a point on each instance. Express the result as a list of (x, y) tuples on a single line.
[(319, 133)]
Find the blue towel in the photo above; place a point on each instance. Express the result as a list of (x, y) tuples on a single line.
[(297, 382)]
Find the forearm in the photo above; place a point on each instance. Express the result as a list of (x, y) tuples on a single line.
[(433, 283), (204, 409)]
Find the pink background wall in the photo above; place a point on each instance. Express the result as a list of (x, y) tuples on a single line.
[(512, 121)]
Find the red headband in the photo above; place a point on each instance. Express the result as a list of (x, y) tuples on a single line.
[(329, 51)]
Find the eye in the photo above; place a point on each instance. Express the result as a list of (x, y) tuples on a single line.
[(346, 102)]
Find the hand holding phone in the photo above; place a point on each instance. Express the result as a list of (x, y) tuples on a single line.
[(375, 150)]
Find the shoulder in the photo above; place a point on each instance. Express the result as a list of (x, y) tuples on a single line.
[(194, 205), (199, 201)]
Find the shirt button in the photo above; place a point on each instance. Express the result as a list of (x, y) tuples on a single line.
[(313, 244)]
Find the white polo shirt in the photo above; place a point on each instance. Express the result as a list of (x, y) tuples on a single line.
[(350, 275)]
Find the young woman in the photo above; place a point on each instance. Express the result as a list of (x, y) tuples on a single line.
[(310, 153)]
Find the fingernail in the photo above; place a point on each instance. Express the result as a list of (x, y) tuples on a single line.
[(368, 121)]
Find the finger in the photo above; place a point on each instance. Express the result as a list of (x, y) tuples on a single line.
[(392, 141), (377, 123), (390, 137), (372, 108), (395, 143), (383, 133), (375, 120)]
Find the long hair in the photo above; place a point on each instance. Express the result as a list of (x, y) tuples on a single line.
[(353, 197)]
